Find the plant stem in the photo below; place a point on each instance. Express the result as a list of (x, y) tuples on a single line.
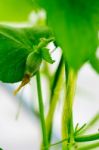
[(54, 97), (67, 117), (87, 138), (41, 109), (91, 123), (59, 142), (56, 77), (89, 146), (54, 101), (79, 130)]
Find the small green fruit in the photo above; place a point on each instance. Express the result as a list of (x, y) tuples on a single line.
[(33, 63)]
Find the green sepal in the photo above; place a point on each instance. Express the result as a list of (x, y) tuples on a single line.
[(46, 55)]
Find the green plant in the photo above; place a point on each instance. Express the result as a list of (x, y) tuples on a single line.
[(23, 49)]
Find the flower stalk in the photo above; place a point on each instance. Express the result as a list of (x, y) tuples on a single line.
[(41, 109), (67, 116)]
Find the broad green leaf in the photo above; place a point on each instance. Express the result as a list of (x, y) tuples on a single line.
[(75, 24), (94, 61), (46, 55), (15, 10), (15, 46)]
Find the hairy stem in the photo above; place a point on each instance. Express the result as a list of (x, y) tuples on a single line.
[(67, 117), (41, 109)]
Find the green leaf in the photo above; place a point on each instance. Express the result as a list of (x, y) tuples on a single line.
[(75, 25), (15, 45), (94, 61), (46, 55)]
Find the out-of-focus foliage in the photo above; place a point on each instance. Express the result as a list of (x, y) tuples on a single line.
[(15, 10), (75, 23)]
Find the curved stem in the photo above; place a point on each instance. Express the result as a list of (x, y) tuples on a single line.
[(41, 109), (67, 117), (87, 138)]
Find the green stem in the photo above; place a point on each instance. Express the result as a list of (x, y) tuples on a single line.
[(67, 117), (41, 109), (59, 142), (54, 101), (91, 123), (56, 77), (55, 93), (89, 146), (87, 138), (79, 130)]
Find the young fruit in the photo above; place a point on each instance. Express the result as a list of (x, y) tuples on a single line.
[(33, 63)]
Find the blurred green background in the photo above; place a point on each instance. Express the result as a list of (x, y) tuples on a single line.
[(15, 10)]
